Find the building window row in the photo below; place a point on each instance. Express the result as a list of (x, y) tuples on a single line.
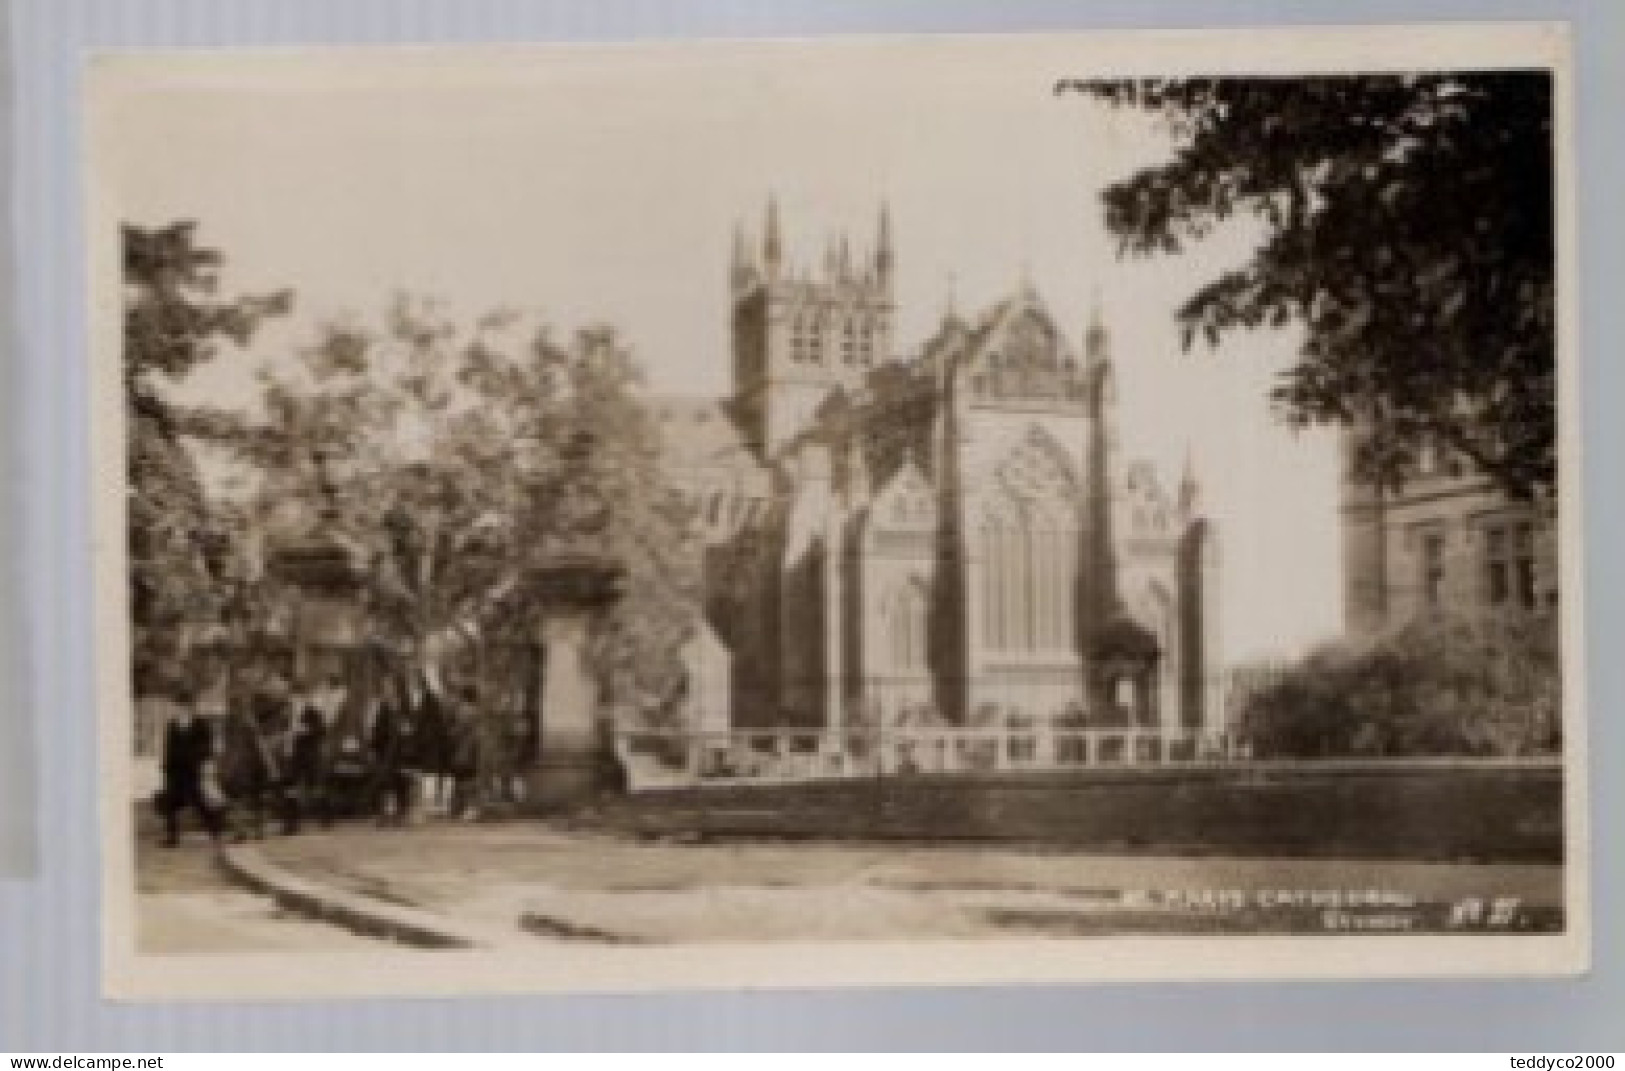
[(1506, 564), (811, 336)]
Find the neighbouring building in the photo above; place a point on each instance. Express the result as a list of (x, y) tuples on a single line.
[(1447, 541), (947, 537)]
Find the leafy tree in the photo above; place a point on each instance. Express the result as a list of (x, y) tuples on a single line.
[(1409, 227), (589, 475), (450, 457), (1438, 686), (172, 324), (363, 441), (896, 418)]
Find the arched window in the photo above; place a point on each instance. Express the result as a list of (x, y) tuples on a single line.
[(908, 627), (1023, 609), (1045, 566), (1061, 572), (993, 583), (800, 339), (849, 342)]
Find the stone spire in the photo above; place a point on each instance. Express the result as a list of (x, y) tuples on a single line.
[(772, 242), (1097, 343), (950, 306), (1190, 491), (740, 272), (884, 257)]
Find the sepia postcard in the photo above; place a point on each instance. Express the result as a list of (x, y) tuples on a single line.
[(873, 511)]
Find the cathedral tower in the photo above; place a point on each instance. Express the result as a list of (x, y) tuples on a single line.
[(798, 336)]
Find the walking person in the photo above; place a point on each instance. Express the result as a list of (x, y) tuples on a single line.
[(389, 741), (413, 755), (188, 746), (465, 749), (430, 749), (248, 768), (304, 788), (518, 749)]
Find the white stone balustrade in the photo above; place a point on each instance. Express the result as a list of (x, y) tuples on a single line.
[(667, 758)]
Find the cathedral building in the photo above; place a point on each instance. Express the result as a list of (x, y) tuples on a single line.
[(949, 537)]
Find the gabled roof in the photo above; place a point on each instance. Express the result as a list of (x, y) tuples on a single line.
[(700, 433), (1000, 326), (696, 430)]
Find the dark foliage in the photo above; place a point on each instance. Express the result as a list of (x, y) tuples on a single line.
[(173, 324), (1435, 687), (1409, 226)]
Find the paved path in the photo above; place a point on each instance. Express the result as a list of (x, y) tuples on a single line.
[(577, 885), (509, 885), (186, 903)]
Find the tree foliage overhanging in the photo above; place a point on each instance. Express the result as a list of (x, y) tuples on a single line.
[(173, 323), (1409, 226)]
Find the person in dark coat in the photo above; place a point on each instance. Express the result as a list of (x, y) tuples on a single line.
[(305, 787), (188, 746), (429, 749), (518, 751), (348, 784), (391, 744), (249, 764), (465, 747)]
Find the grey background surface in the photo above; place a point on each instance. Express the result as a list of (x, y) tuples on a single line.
[(49, 927), (17, 826)]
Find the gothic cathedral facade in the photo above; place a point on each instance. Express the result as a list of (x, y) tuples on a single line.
[(950, 538)]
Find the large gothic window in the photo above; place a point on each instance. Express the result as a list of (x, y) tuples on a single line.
[(1029, 552), (1029, 575)]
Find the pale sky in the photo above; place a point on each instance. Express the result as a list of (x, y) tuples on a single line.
[(603, 184)]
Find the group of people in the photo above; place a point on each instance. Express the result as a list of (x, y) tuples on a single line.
[(411, 751)]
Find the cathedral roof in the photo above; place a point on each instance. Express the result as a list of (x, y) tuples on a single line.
[(700, 433)]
